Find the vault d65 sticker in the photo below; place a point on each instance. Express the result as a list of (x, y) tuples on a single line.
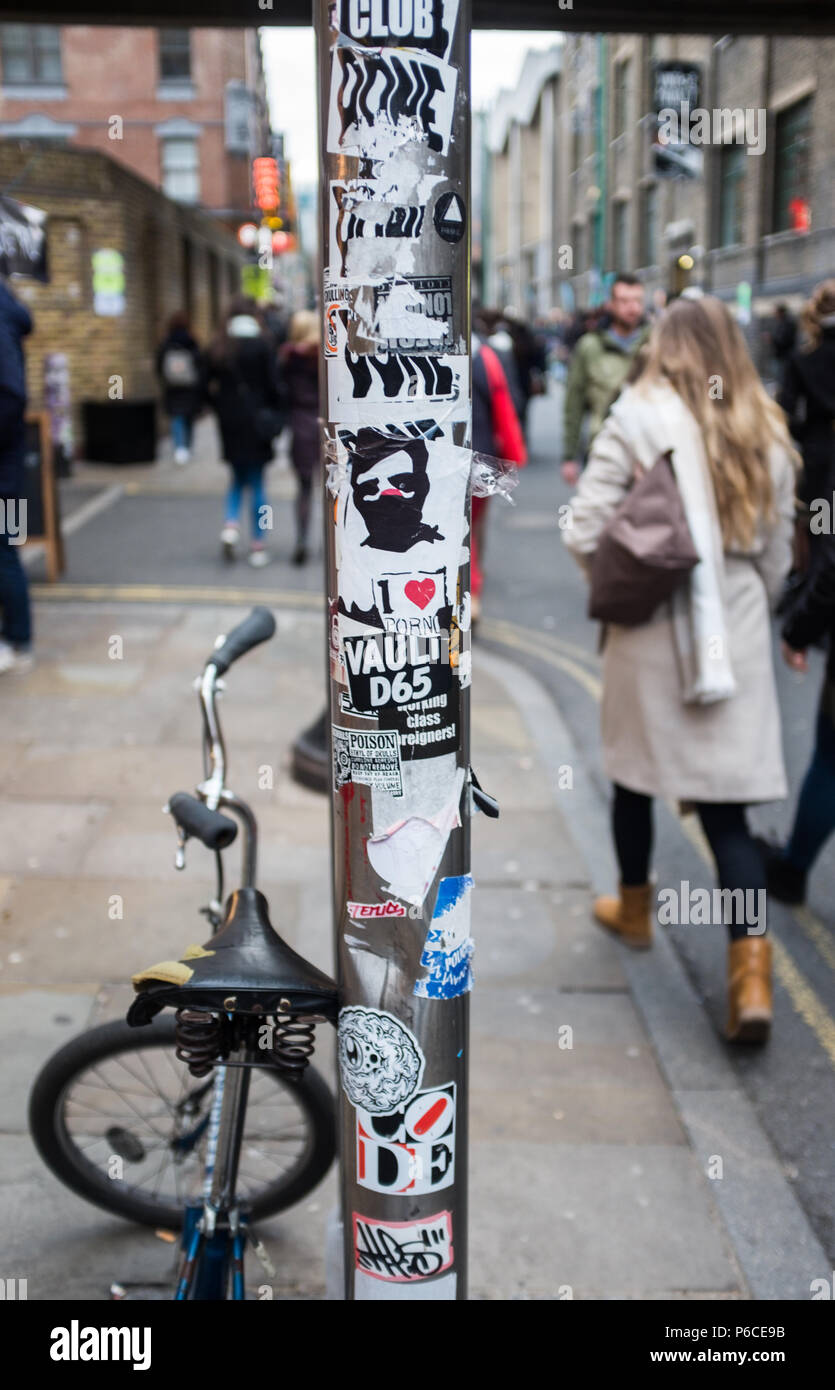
[(380, 1061), (411, 1151), (403, 1251)]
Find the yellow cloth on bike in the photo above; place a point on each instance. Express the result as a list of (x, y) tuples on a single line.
[(171, 972)]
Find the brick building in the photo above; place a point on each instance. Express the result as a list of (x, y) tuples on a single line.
[(576, 191), (184, 108), (173, 257)]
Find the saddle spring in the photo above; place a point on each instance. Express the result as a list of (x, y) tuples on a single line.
[(200, 1039)]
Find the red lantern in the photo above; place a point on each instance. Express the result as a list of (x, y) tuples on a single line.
[(265, 183)]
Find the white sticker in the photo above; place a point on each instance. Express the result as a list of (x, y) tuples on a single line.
[(401, 507), (412, 1151), (428, 25), (403, 1252), (382, 100), (368, 756), (380, 1061)]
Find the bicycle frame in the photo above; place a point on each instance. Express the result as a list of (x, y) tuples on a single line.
[(214, 1230)]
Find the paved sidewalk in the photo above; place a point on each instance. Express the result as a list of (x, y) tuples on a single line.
[(589, 1157)]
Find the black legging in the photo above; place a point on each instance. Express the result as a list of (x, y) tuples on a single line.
[(739, 863)]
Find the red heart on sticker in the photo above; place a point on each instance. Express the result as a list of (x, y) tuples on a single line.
[(420, 591)]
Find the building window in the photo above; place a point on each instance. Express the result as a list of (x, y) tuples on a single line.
[(731, 194), (620, 235), (576, 138), (792, 150), (174, 55), (31, 53), (649, 222), (620, 97), (181, 168)]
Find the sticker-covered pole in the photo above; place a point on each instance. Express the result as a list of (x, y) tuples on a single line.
[(395, 391)]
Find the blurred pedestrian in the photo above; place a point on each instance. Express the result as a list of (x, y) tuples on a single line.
[(299, 358), (179, 370), (783, 338), (16, 625), (498, 434), (242, 385), (808, 396), (529, 354), (599, 365), (689, 708)]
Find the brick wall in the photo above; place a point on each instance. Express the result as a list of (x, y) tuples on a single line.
[(92, 202)]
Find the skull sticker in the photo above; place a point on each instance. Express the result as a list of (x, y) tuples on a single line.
[(380, 1061)]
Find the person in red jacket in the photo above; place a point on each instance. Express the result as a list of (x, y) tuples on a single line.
[(496, 433)]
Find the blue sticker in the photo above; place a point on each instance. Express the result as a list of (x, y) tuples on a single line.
[(449, 946)]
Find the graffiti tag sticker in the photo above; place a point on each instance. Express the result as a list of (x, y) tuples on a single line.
[(403, 1251), (390, 908), (412, 1151), (449, 946), (380, 1061)]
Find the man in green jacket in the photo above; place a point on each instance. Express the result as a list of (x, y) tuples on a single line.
[(599, 365)]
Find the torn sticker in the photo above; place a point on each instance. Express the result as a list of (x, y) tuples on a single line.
[(449, 947), (428, 25), (380, 1060), (406, 855), (403, 1251), (410, 1152), (381, 100), (431, 295), (490, 476), (368, 756)]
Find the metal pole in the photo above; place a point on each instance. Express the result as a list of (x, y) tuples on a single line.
[(395, 386)]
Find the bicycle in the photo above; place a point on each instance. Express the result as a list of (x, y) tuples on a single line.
[(246, 1007)]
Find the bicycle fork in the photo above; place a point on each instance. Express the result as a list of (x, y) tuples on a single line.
[(214, 1229)]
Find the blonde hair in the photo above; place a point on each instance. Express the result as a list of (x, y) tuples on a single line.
[(698, 348), (304, 327), (820, 306)]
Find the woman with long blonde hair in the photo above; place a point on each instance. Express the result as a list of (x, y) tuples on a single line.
[(689, 708)]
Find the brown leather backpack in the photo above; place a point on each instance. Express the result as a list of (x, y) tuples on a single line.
[(645, 552)]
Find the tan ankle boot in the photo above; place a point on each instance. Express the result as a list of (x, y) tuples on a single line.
[(628, 915), (749, 989)]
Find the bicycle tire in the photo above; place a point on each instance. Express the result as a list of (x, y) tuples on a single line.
[(63, 1156)]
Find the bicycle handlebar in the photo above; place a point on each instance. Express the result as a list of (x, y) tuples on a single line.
[(214, 830), (258, 627)]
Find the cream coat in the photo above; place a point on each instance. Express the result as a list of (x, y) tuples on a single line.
[(652, 741)]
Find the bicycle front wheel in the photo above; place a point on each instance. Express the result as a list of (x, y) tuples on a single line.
[(122, 1122)]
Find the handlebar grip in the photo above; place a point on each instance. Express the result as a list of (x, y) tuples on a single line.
[(258, 627), (214, 830)]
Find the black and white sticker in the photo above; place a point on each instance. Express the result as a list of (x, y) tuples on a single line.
[(411, 1151), (422, 24), (403, 1252), (368, 756), (433, 293), (380, 1061), (450, 217), (380, 100)]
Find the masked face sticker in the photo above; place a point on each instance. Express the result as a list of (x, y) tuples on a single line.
[(380, 1062), (389, 487)]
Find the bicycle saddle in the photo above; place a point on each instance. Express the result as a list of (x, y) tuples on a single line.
[(245, 967)]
